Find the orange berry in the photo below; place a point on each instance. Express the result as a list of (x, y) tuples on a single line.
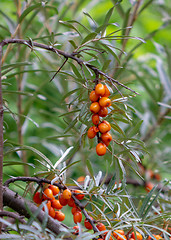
[(95, 119), (156, 236), (100, 226), (104, 127), (103, 112), (93, 96), (77, 217), (60, 216), (107, 92), (48, 205), (54, 189), (79, 194), (92, 131), (106, 138), (52, 212), (95, 107), (75, 209), (87, 224), (139, 236), (121, 238), (37, 198), (121, 232), (81, 179), (105, 102), (100, 89), (56, 204), (71, 202), (76, 230), (101, 149), (157, 176), (149, 186), (62, 200), (47, 194), (66, 194)]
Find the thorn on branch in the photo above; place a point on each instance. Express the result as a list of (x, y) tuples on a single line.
[(59, 69)]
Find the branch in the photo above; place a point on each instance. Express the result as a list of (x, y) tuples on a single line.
[(20, 205), (12, 215)]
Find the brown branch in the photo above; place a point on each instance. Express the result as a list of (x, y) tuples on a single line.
[(12, 215), (20, 205)]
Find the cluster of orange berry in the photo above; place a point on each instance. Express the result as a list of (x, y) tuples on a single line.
[(56, 199), (100, 103)]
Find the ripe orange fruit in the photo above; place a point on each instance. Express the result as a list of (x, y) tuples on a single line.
[(54, 189), (66, 194), (107, 92), (47, 194), (121, 238), (77, 217), (95, 119), (100, 226), (92, 131), (106, 138), (52, 212), (79, 194), (81, 179), (149, 186), (157, 176), (37, 198), (121, 232), (101, 149), (62, 200), (95, 107), (48, 205), (93, 96), (103, 112), (60, 216), (156, 236), (71, 202), (104, 127), (75, 209), (139, 236), (56, 204), (87, 224), (76, 230), (105, 102), (100, 89)]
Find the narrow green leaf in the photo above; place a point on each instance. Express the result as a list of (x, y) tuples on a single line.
[(90, 168), (107, 18), (135, 129), (110, 51), (89, 37), (71, 125), (70, 26), (75, 70)]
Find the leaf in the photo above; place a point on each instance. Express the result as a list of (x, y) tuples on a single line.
[(71, 125), (107, 18), (10, 163), (69, 25), (90, 168), (88, 15), (89, 37), (63, 157), (75, 70), (110, 51), (135, 129), (164, 105)]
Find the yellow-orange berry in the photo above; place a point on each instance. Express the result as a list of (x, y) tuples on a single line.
[(95, 107), (60, 216), (138, 235), (100, 226), (87, 224), (105, 102), (62, 200), (52, 212), (56, 204), (47, 194), (101, 149), (75, 209), (95, 119), (67, 194), (92, 131), (107, 92), (93, 96), (104, 127), (37, 198), (103, 112), (54, 189), (121, 232), (79, 194), (71, 202), (106, 138), (100, 89), (77, 217), (149, 186)]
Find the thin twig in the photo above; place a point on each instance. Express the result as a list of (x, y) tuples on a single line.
[(12, 215), (59, 69)]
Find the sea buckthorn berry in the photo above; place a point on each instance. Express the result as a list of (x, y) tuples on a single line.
[(105, 102), (81, 179), (100, 226), (62, 200), (75, 209), (93, 96), (100, 89), (149, 186), (95, 107), (92, 131), (87, 224), (121, 232), (156, 236), (54, 189), (104, 127), (76, 230), (77, 217), (79, 194), (101, 149), (47, 194), (107, 92), (106, 138), (71, 202), (139, 236), (95, 119), (157, 176), (37, 198), (103, 112), (60, 216), (56, 204), (67, 194), (52, 212), (48, 205), (121, 238)]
